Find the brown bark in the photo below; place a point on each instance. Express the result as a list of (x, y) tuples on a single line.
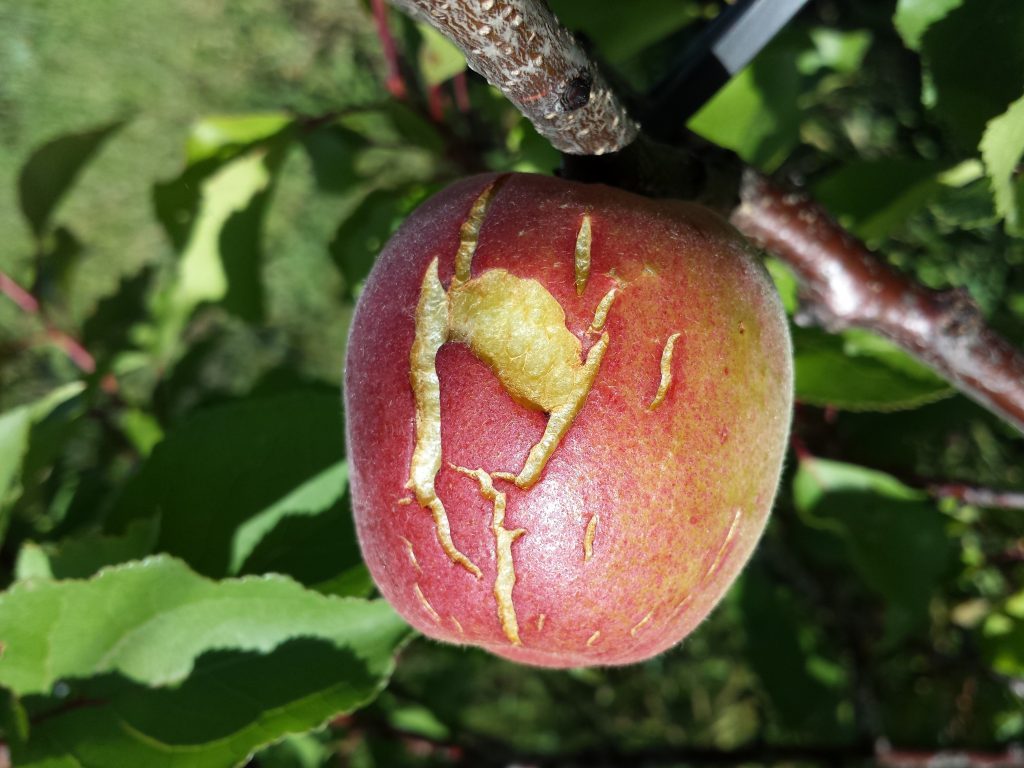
[(521, 49), (847, 286)]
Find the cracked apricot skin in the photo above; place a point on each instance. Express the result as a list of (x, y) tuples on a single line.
[(567, 409)]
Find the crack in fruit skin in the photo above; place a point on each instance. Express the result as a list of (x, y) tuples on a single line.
[(426, 603), (431, 334), (717, 562), (640, 624), (458, 625), (593, 638), (601, 313), (588, 538), (469, 233), (666, 372), (562, 417), (411, 552), (582, 255), (517, 328), (540, 622), (505, 580)]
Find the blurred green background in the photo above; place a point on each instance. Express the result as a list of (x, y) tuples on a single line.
[(196, 190)]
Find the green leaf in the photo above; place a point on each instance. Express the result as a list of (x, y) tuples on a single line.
[(530, 152), (108, 329), (839, 51), (233, 704), (1003, 637), (618, 35), (15, 437), (83, 555), (392, 124), (874, 197), (332, 151), (976, 64), (893, 535), (438, 58), (252, 660), (14, 431), (213, 213), (52, 169), (142, 429), (969, 206), (1002, 147), (58, 256), (13, 718), (312, 497), (219, 135), (414, 128), (32, 563), (220, 262), (786, 283), (817, 478), (150, 620), (859, 371), (784, 648), (226, 474), (318, 550), (361, 237), (363, 234), (418, 720), (756, 113), (913, 17), (303, 751), (352, 582)]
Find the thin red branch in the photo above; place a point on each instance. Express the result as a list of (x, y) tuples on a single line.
[(435, 103), (856, 753), (461, 88), (892, 758), (799, 447), (76, 353), (979, 497), (395, 84), (846, 286), (29, 304), (18, 295)]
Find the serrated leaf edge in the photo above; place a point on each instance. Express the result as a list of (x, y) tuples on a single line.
[(31, 585)]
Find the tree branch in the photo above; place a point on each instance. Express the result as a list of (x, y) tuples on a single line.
[(857, 753), (395, 83), (29, 304), (846, 286), (520, 47), (978, 497)]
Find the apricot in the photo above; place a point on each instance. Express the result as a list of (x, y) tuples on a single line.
[(567, 410)]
